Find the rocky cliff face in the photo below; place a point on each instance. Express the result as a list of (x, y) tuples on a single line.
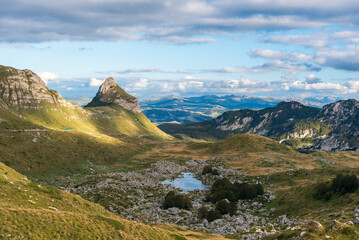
[(24, 89), (270, 122), (111, 93), (343, 116)]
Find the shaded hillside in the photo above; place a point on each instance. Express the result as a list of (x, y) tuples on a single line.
[(334, 127), (270, 122)]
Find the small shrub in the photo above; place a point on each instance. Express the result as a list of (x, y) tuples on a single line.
[(202, 212), (215, 172), (177, 200), (322, 191), (340, 184), (213, 215), (345, 184), (259, 189), (225, 207), (224, 189), (206, 169)]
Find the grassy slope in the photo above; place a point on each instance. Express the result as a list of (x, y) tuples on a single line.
[(256, 155), (32, 211), (251, 153), (295, 191), (50, 154)]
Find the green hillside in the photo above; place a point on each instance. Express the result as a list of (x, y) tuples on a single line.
[(24, 95)]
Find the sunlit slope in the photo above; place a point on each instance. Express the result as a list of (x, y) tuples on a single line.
[(24, 95), (32, 211), (113, 119)]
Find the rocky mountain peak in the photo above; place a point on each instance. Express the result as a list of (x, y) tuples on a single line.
[(292, 105), (107, 85), (24, 89), (341, 107), (340, 111), (111, 93)]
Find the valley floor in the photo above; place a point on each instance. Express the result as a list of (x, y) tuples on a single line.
[(124, 175)]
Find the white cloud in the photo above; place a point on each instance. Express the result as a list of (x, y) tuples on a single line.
[(177, 21), (141, 84), (316, 40), (139, 70), (348, 36), (311, 78), (187, 40), (270, 54), (46, 76), (94, 82), (354, 85), (346, 58), (274, 65), (189, 77)]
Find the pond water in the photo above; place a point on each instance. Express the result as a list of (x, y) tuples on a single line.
[(186, 182)]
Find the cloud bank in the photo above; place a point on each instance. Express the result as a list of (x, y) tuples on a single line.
[(174, 21)]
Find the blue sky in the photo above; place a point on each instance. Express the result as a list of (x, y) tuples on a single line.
[(273, 48)]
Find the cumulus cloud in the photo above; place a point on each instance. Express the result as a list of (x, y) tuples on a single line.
[(46, 76), (141, 84), (311, 78), (339, 57), (94, 82)]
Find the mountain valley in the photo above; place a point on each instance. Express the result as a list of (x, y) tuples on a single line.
[(97, 172)]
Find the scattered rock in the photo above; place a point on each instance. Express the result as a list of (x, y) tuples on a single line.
[(315, 226), (338, 225)]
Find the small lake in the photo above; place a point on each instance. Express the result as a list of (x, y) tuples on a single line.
[(186, 182)]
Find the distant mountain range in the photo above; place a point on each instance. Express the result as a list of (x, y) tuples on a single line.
[(194, 109), (333, 127), (166, 109)]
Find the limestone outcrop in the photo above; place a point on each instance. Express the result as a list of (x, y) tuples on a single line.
[(111, 93), (24, 89)]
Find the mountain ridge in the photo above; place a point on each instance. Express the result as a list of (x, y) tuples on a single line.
[(334, 127), (195, 109)]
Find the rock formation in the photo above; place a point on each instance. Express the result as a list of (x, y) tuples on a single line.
[(111, 93), (24, 89)]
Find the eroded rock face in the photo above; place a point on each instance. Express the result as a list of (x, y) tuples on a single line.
[(24, 89), (110, 92)]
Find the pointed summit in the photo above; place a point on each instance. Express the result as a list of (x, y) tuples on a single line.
[(111, 93)]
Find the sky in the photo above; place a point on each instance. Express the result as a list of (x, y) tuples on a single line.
[(278, 48)]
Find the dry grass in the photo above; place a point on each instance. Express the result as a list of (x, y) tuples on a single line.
[(32, 211)]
